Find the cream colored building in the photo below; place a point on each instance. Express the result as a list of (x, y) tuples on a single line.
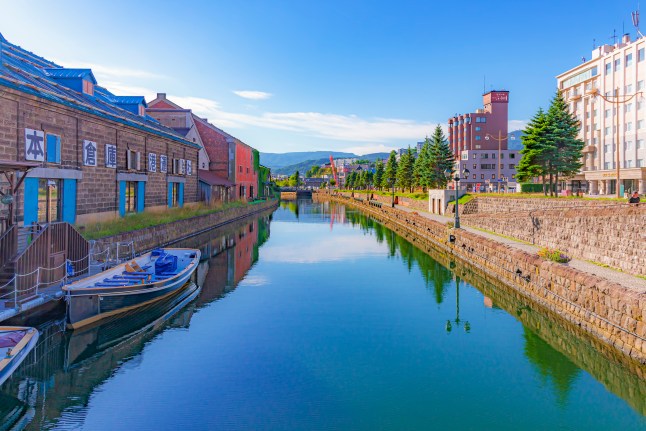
[(615, 72)]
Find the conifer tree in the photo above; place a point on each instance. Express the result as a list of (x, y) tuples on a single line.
[(405, 170), (536, 150), (390, 172), (422, 168), (379, 173), (562, 131), (441, 158)]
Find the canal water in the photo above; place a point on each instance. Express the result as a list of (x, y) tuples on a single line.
[(332, 322)]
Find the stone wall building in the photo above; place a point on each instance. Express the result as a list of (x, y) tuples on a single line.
[(98, 154), (614, 73), (228, 168)]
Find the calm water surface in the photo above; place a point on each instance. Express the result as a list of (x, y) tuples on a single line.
[(332, 323)]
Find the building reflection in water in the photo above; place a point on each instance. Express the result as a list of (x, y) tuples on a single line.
[(54, 384)]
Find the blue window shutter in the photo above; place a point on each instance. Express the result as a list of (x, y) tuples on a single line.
[(181, 195), (122, 198), (141, 195), (31, 201), (170, 195), (53, 149), (69, 201), (58, 149)]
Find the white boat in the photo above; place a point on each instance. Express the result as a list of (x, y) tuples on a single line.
[(15, 343), (148, 278)]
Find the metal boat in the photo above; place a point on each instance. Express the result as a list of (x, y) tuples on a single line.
[(148, 278), (15, 343)]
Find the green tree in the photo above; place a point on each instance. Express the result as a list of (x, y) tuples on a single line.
[(536, 151), (390, 172), (379, 173), (422, 167), (441, 159), (295, 179), (313, 171), (562, 131), (405, 170)]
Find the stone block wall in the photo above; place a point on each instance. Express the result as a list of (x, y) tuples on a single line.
[(610, 312), (612, 235), (157, 236)]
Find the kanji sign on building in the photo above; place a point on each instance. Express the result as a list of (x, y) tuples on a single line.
[(152, 162), (189, 167), (34, 145), (89, 153), (110, 156), (163, 163)]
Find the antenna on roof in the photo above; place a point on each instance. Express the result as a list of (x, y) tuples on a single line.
[(635, 17), (484, 84), (614, 37), (594, 43)]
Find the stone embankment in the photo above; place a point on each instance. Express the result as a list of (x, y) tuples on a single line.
[(611, 235), (611, 312), (158, 236)]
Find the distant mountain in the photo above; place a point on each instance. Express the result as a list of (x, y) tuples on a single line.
[(280, 160), (374, 156), (301, 167), (515, 142)]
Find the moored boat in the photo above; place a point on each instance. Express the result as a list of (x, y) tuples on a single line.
[(148, 278), (15, 343)]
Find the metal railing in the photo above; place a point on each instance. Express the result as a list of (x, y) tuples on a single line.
[(8, 246)]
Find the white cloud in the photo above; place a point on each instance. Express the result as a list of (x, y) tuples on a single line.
[(253, 95), (517, 125), (109, 72), (369, 149)]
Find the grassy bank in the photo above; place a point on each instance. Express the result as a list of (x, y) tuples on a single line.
[(151, 218)]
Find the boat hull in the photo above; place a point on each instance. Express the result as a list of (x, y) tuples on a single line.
[(9, 364), (86, 306)]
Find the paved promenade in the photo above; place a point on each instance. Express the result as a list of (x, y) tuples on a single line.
[(627, 280)]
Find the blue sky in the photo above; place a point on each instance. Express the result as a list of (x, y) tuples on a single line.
[(360, 76)]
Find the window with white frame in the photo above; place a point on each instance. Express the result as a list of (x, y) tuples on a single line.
[(629, 60), (629, 126)]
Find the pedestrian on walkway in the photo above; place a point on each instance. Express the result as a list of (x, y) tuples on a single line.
[(634, 199)]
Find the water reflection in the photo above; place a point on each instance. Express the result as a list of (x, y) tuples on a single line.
[(308, 337), (53, 387)]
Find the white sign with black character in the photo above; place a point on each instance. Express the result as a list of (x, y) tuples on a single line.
[(189, 167), (152, 162), (163, 163), (89, 153), (110, 156), (34, 145)]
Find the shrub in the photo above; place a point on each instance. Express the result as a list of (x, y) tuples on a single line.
[(534, 188), (554, 255)]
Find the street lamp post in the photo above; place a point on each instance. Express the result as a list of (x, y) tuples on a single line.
[(500, 138), (616, 100), (392, 201), (465, 174)]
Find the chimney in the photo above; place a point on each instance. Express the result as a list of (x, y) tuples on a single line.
[(625, 38), (161, 95)]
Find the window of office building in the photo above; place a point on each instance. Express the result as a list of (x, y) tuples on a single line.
[(628, 107), (628, 164), (606, 113), (640, 163), (640, 124), (640, 54), (629, 60), (608, 68), (478, 138), (617, 64), (606, 165), (628, 145), (640, 85), (606, 131), (629, 126), (640, 144)]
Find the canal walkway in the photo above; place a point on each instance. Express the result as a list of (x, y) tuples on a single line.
[(629, 281)]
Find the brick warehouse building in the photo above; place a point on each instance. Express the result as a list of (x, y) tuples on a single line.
[(228, 168), (99, 155)]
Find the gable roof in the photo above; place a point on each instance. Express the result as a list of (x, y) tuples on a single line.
[(31, 74)]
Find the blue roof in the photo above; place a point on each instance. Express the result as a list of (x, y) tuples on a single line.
[(70, 73), (32, 74)]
